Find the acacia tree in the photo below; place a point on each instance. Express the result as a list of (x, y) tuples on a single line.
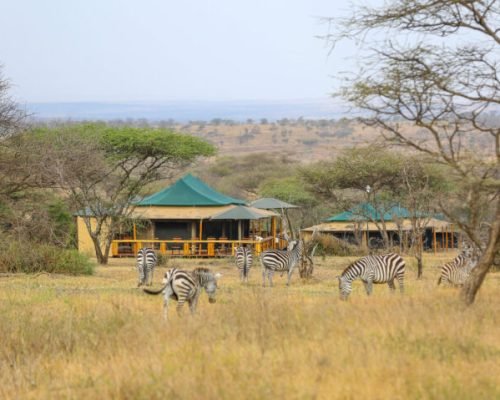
[(15, 174), (445, 82), (11, 116), (356, 169), (422, 183), (103, 169)]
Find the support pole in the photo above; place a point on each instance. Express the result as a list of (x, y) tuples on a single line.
[(273, 230), (434, 239), (201, 235)]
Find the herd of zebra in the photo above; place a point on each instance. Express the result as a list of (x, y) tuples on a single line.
[(184, 286)]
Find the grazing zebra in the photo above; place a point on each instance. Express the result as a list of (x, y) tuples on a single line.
[(456, 272), (280, 260), (244, 259), (185, 286), (146, 263), (373, 269)]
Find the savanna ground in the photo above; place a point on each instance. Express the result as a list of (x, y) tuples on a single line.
[(99, 337)]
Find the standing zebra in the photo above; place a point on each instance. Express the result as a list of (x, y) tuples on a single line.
[(280, 260), (185, 286), (244, 259), (146, 263), (373, 269), (457, 271)]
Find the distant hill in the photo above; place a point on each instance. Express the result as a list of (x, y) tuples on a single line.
[(305, 130), (183, 111)]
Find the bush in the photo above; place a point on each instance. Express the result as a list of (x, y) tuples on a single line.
[(33, 258), (330, 245)]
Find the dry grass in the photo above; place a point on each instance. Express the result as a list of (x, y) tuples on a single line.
[(99, 337)]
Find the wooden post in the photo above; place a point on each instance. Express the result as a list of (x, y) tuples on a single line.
[(435, 239), (239, 230), (446, 238), (135, 232), (273, 230), (201, 235)]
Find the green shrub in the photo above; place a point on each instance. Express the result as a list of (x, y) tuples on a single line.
[(330, 245), (31, 258)]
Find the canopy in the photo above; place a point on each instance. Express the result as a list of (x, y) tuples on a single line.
[(366, 211), (269, 203), (243, 212), (188, 191)]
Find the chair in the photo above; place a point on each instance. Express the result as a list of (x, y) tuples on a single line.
[(176, 247), (222, 248)]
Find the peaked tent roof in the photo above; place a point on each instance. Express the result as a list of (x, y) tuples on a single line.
[(243, 212), (269, 203), (365, 211), (189, 191)]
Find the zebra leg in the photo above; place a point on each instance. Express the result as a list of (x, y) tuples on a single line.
[(151, 276), (140, 270), (401, 280), (270, 277), (166, 297), (180, 304), (391, 285), (242, 275), (368, 287), (264, 273), (290, 272), (193, 303)]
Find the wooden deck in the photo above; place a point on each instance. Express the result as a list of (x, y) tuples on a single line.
[(189, 248)]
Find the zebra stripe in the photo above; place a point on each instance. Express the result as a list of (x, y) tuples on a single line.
[(373, 269), (456, 272), (280, 260), (185, 286), (244, 260), (146, 263)]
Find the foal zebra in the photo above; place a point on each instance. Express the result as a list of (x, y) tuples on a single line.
[(185, 286), (244, 259), (373, 269), (280, 260), (457, 271), (146, 263)]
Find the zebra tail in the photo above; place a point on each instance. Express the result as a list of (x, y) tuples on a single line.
[(155, 292), (439, 280)]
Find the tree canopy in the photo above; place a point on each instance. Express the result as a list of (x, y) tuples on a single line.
[(103, 169), (435, 64)]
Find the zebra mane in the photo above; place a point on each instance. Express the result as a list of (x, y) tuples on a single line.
[(204, 275), (346, 269)]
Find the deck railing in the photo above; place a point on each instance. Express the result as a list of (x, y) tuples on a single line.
[(188, 247)]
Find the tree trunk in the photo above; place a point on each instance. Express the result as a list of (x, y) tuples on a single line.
[(420, 266), (476, 278), (102, 258), (306, 266)]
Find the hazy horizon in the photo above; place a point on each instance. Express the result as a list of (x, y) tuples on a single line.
[(185, 110)]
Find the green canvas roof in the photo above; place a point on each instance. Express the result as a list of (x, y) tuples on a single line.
[(188, 191), (366, 211), (241, 212), (269, 203)]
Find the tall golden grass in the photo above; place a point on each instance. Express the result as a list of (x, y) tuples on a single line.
[(101, 338)]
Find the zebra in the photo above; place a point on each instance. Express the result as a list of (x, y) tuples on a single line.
[(146, 263), (185, 286), (280, 260), (373, 269), (456, 272), (244, 259)]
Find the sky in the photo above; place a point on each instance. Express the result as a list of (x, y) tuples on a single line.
[(165, 50)]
